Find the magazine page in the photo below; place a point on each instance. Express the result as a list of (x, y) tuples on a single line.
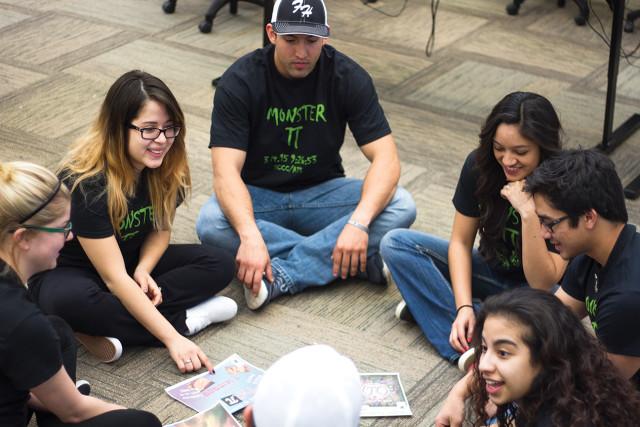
[(217, 416), (233, 384), (383, 396)]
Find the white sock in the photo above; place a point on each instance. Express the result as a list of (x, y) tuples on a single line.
[(213, 310)]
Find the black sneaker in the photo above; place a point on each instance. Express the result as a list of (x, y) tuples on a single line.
[(377, 271), (83, 387), (267, 293), (403, 313)]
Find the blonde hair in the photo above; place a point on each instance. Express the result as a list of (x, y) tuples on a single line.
[(25, 188), (103, 151)]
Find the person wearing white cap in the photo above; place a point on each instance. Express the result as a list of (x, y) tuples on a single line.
[(282, 202), (313, 386)]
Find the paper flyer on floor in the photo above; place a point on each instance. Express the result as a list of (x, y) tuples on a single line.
[(383, 396), (233, 384), (217, 416)]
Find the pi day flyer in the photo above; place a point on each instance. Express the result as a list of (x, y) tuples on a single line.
[(383, 396), (233, 384), (214, 417)]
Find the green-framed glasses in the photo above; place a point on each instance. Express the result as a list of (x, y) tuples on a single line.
[(65, 230)]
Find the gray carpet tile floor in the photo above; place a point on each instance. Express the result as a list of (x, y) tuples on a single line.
[(59, 57)]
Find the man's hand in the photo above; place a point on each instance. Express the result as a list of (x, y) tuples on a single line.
[(519, 199), (148, 285), (349, 252), (252, 262), (462, 329)]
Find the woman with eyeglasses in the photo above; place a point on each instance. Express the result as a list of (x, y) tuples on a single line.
[(34, 225), (120, 282), (441, 281)]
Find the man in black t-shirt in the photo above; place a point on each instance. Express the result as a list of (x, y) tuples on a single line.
[(580, 202), (282, 202)]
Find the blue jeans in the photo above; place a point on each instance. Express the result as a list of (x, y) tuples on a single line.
[(301, 228), (419, 265)]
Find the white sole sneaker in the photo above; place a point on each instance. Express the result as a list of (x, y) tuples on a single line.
[(402, 312), (105, 349), (214, 310), (466, 360), (83, 387), (386, 273), (255, 302)]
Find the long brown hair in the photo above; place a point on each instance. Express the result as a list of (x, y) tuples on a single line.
[(538, 122), (103, 150), (577, 383)]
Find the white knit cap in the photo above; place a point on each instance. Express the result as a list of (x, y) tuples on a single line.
[(313, 386)]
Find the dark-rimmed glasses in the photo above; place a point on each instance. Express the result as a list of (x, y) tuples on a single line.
[(549, 224), (64, 230), (151, 134)]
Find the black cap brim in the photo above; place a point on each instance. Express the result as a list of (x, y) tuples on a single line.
[(309, 29)]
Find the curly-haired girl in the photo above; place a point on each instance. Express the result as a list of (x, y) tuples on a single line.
[(541, 367)]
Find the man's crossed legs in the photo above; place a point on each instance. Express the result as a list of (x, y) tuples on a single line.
[(301, 228)]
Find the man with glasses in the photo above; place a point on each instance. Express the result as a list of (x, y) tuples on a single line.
[(282, 203), (580, 201)]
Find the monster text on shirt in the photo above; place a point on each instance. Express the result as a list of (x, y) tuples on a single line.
[(510, 234), (591, 304), (292, 117), (135, 219)]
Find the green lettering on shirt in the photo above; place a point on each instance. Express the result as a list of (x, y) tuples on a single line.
[(135, 219), (302, 113), (591, 304)]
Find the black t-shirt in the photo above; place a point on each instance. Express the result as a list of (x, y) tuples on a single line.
[(292, 129), (90, 218), (611, 293), (508, 260), (543, 419), (29, 351)]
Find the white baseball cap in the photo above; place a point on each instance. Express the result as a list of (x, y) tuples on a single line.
[(313, 386)]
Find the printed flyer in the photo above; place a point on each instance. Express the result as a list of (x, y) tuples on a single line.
[(233, 384), (214, 417), (383, 396)]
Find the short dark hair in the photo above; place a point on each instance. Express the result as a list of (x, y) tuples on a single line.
[(579, 180)]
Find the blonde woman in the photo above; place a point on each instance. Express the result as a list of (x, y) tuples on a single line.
[(34, 225), (120, 278)]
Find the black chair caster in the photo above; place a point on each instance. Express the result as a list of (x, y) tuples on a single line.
[(514, 8), (169, 6), (205, 26)]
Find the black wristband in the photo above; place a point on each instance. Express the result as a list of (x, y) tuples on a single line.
[(463, 306)]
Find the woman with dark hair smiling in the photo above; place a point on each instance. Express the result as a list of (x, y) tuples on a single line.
[(441, 281), (540, 367)]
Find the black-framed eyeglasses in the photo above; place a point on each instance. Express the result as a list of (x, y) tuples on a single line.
[(64, 230), (549, 224), (151, 134)]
